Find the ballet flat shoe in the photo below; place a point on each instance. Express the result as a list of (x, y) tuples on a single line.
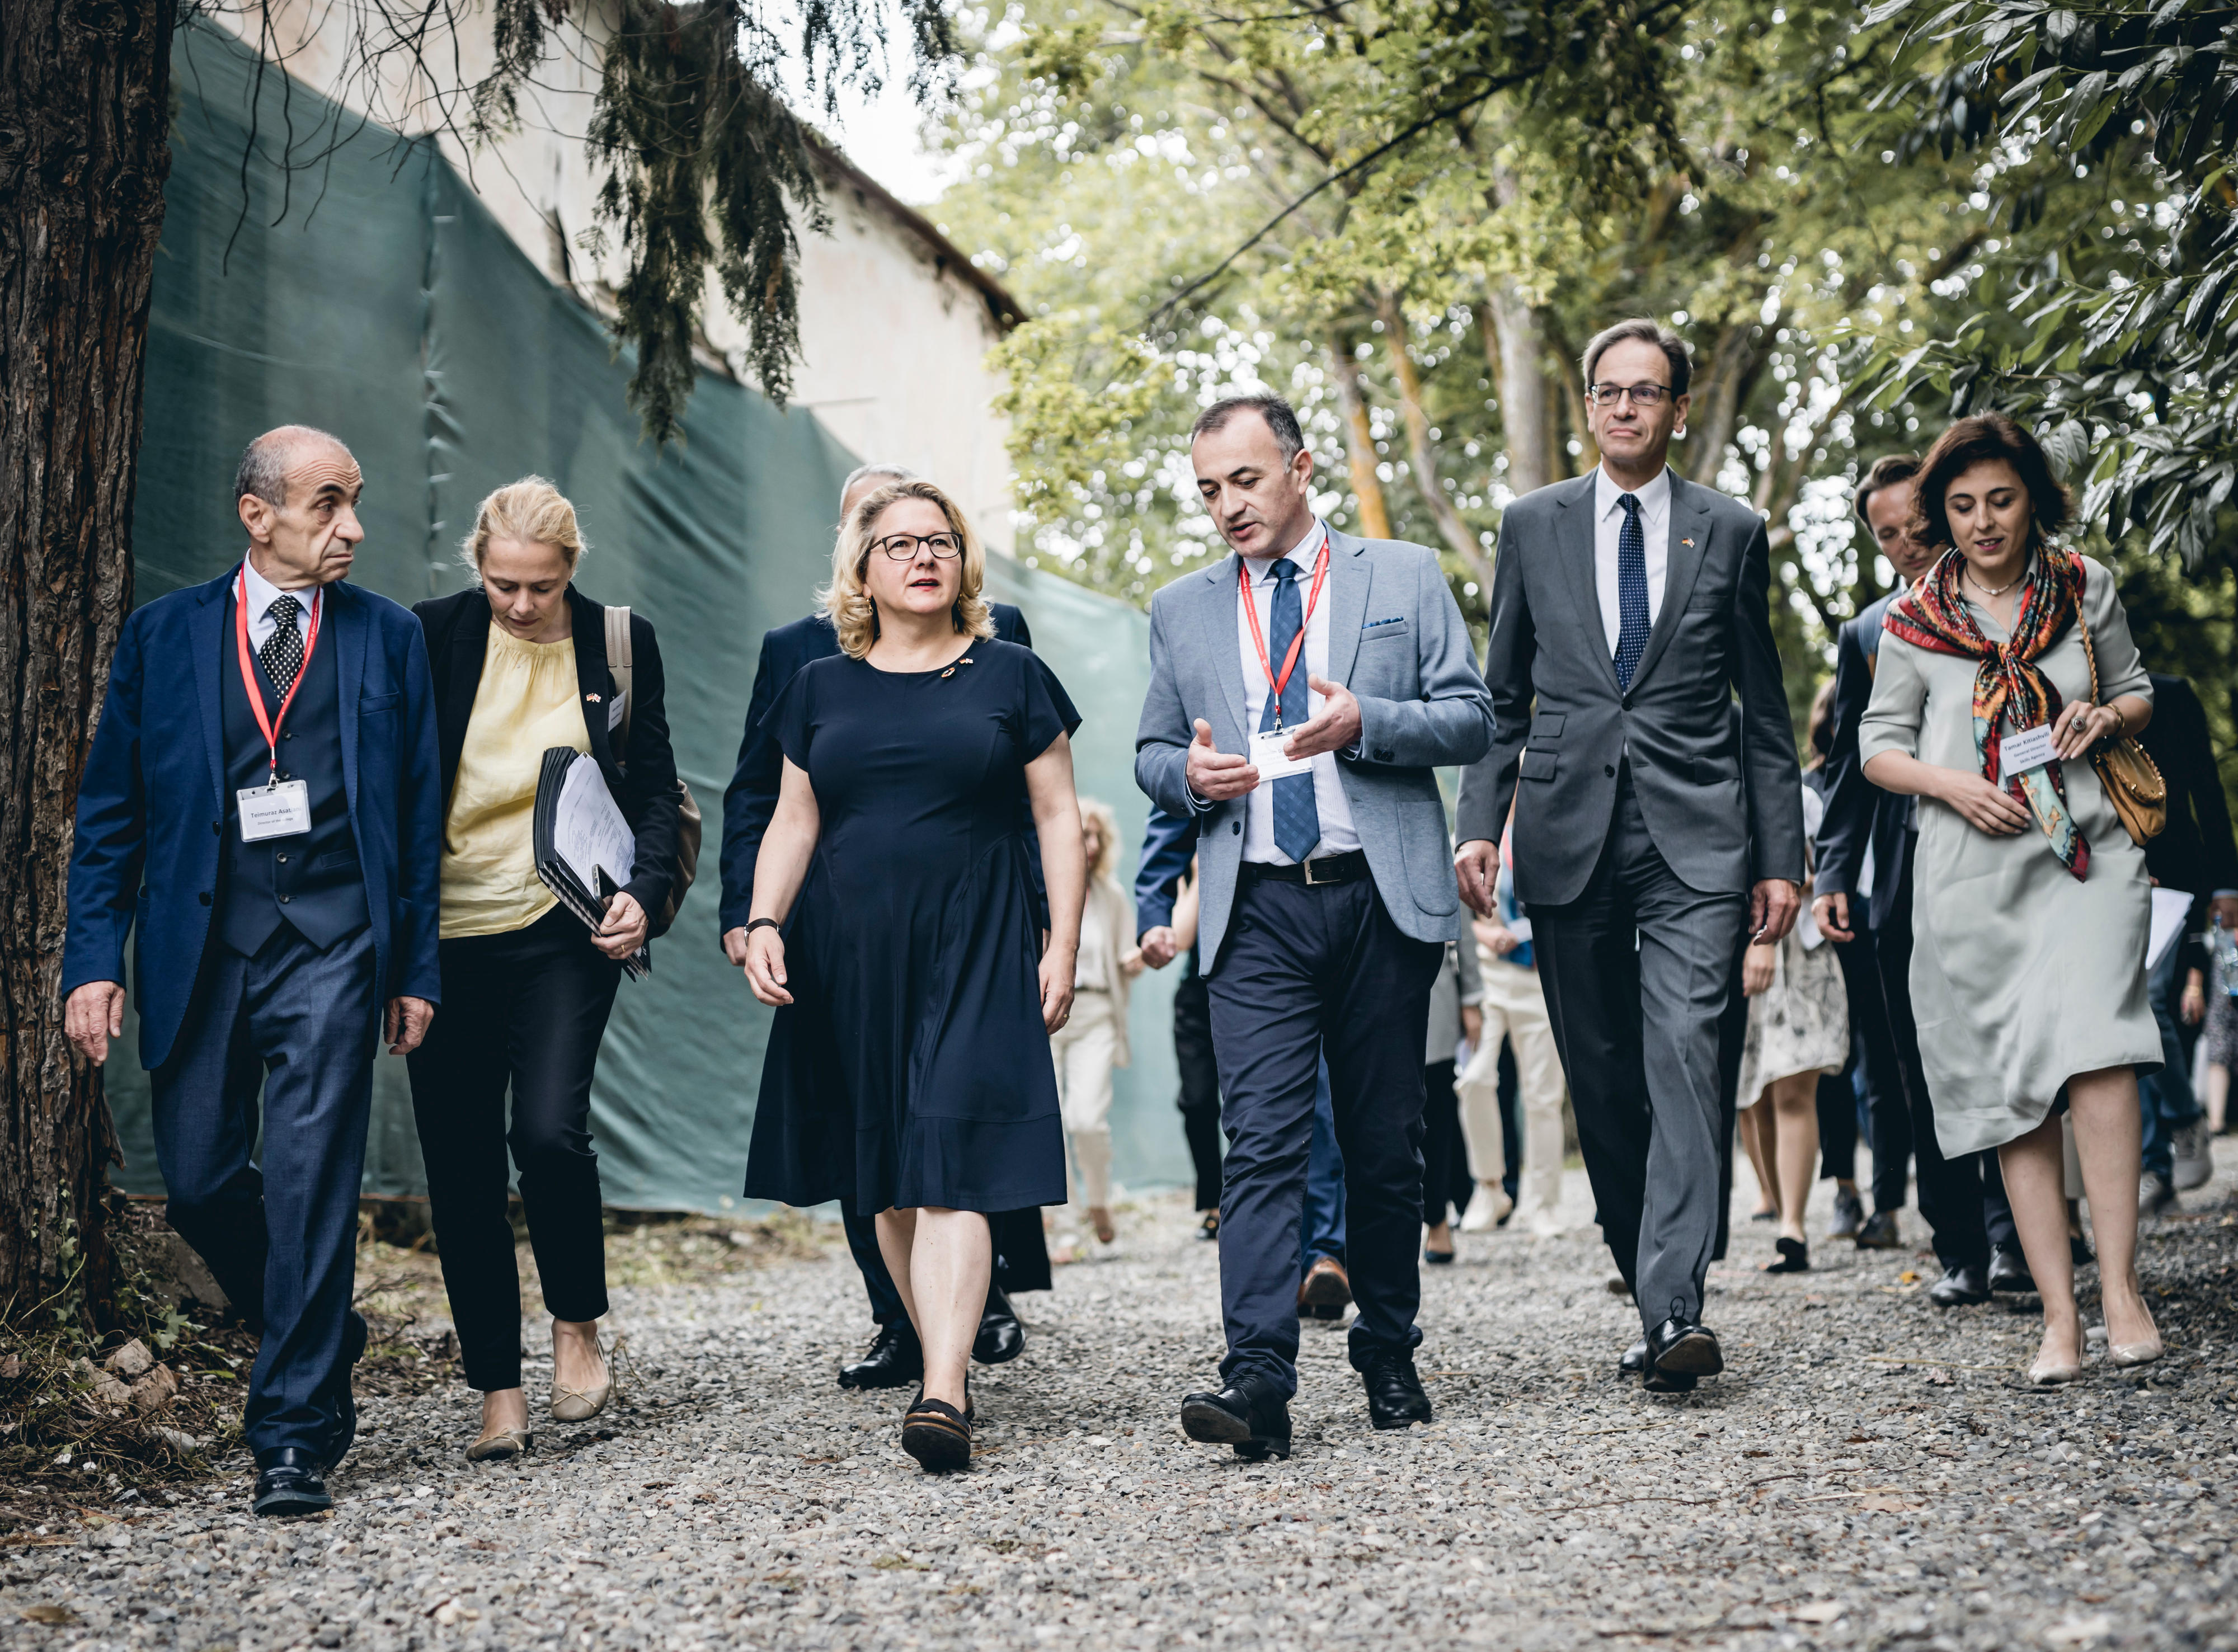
[(500, 1446), (577, 1404), (2047, 1376), (2134, 1354)]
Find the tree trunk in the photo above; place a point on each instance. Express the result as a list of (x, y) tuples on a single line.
[(1459, 536), (1736, 361), (1514, 349), (85, 103), (1358, 439)]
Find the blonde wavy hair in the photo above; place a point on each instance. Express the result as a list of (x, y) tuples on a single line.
[(847, 602), (530, 510), (1106, 833)]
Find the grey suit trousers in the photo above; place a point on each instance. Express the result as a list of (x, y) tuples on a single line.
[(1638, 971)]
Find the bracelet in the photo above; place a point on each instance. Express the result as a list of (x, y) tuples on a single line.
[(763, 924), (2120, 722)]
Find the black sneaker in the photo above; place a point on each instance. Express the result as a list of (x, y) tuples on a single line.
[(1849, 1215)]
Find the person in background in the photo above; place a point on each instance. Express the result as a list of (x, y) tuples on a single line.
[(1841, 1095), (1799, 1030), (2219, 1038), (2197, 854), (519, 667), (897, 931), (1094, 1040), (1867, 843), (1165, 928), (2035, 903), (1455, 1023), (893, 1359), (261, 814), (1513, 1005)]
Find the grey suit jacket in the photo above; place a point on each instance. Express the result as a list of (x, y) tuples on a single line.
[(1722, 816), (1398, 641)]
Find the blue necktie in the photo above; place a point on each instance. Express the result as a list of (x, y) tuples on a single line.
[(1297, 820), (1631, 591)]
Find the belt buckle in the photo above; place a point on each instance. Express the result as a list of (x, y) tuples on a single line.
[(1311, 881)]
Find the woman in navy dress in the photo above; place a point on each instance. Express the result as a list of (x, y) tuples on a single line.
[(895, 928)]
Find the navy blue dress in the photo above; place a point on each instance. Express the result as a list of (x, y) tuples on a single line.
[(912, 1067)]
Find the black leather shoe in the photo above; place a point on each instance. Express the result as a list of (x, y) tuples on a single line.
[(1880, 1232), (1001, 1337), (2078, 1249), (345, 1434), (1634, 1361), (1683, 1347), (1668, 1382), (894, 1359), (2008, 1272), (1395, 1398), (1245, 1415), (289, 1482), (1960, 1287)]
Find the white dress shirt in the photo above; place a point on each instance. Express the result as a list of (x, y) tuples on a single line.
[(1338, 836), (1608, 524), (262, 593)]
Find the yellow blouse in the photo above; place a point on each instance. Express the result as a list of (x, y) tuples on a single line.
[(527, 704)]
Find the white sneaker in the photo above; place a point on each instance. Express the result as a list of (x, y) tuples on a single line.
[(1487, 1207), (2195, 1156)]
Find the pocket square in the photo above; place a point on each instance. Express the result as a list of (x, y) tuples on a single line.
[(1395, 619)]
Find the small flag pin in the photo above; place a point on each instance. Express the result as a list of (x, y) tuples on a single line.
[(594, 698)]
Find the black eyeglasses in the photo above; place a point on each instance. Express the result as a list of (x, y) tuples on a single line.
[(1643, 395), (901, 547)]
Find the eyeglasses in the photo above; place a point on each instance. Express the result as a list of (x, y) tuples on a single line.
[(1643, 395), (901, 547)]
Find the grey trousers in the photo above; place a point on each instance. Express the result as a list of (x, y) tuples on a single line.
[(1637, 969)]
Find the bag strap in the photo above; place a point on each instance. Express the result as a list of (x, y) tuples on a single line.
[(619, 662)]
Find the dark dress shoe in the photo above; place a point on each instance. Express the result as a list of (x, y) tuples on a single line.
[(1209, 1227), (289, 1482), (1794, 1257), (938, 1435), (1668, 1382), (1326, 1290), (1880, 1232), (1245, 1415), (2008, 1272), (894, 1359), (1001, 1337), (1634, 1361), (1683, 1347), (1960, 1287), (1395, 1398), (345, 1434)]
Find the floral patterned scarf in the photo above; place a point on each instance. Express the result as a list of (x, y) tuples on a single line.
[(1933, 615)]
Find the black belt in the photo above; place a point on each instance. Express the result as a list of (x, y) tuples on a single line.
[(1330, 869)]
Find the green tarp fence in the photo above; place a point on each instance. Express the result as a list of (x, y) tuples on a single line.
[(387, 305)]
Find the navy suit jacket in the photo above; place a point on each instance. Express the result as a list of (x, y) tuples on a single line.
[(750, 798), (1859, 813), (151, 805), (1168, 844)]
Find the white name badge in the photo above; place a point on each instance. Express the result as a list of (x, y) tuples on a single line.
[(2028, 749), (1266, 755), (283, 810)]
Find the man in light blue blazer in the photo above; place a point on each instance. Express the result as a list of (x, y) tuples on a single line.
[(261, 811), (1302, 691)]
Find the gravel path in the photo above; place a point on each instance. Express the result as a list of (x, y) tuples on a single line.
[(1870, 1472)]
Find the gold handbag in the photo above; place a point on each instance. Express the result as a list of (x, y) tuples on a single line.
[(2132, 779)]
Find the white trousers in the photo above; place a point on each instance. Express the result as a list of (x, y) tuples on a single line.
[(1514, 1008), (1084, 1048)]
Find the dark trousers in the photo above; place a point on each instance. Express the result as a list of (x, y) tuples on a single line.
[(1441, 1142), (2166, 1098), (1953, 1199), (1320, 1223), (1200, 1096), (524, 1010), (1732, 1043), (1875, 1068), (279, 1234), (1020, 1260), (1638, 972), (1307, 973), (1837, 1123)]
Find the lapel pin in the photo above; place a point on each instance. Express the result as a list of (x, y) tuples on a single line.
[(594, 698), (1689, 543)]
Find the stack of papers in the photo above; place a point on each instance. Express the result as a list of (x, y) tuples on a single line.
[(585, 850)]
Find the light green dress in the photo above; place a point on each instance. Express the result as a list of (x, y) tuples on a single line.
[(2022, 976)]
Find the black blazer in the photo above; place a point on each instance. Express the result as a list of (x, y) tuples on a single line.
[(2196, 853), (643, 783), (1858, 813)]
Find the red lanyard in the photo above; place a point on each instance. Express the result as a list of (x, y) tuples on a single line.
[(1258, 637), (269, 727)]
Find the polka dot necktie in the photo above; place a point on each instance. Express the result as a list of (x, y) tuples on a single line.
[(282, 653), (1297, 817), (1631, 591)]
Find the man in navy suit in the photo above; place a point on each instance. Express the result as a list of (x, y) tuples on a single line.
[(262, 804), (1021, 1257)]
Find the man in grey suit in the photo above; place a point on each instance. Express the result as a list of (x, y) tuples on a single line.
[(1301, 691), (1628, 608)]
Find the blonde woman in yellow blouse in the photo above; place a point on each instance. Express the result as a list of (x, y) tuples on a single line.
[(520, 666)]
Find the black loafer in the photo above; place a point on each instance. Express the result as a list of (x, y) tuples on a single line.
[(1001, 1337), (1395, 1398), (345, 1434), (1683, 1347), (894, 1359), (1960, 1287), (2009, 1272), (289, 1482), (938, 1436), (1668, 1382), (1244, 1415), (1634, 1362), (1880, 1232)]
